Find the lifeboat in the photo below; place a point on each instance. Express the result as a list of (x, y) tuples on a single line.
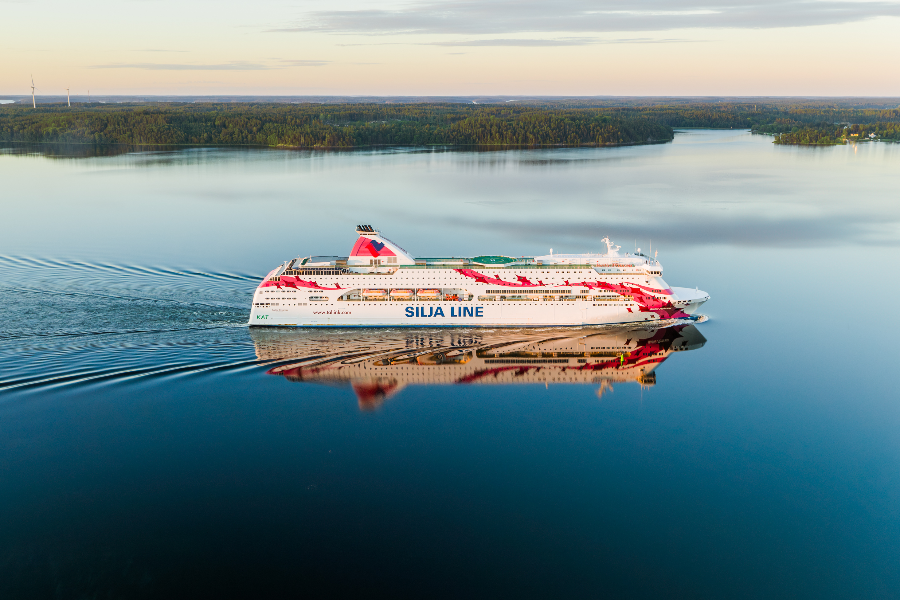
[(401, 294), (440, 358), (429, 293), (374, 294)]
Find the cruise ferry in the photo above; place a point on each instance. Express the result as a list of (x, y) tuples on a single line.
[(381, 285), (377, 366)]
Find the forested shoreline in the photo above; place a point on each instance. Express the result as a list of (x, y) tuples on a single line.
[(839, 133), (330, 126), (355, 125)]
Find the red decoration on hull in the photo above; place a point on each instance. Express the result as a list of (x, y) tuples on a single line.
[(295, 282), (641, 295)]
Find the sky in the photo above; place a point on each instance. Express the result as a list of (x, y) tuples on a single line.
[(452, 47)]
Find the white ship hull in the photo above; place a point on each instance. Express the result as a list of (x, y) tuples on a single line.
[(492, 291), (490, 314)]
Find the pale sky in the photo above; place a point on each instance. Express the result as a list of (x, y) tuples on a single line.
[(452, 47)]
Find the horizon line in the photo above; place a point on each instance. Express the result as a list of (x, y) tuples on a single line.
[(476, 96)]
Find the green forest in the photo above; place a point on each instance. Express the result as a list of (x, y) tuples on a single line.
[(354, 125), (327, 126)]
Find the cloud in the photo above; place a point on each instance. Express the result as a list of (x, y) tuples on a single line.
[(232, 66), (491, 17), (517, 42), (305, 63), (531, 42), (570, 41)]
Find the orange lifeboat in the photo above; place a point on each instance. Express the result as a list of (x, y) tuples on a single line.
[(374, 294), (429, 294), (402, 294)]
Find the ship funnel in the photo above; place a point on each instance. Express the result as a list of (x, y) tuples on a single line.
[(372, 249)]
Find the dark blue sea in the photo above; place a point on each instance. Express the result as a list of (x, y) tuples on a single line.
[(154, 446)]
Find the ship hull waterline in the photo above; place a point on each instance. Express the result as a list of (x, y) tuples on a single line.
[(457, 314)]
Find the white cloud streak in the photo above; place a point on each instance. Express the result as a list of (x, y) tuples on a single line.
[(230, 66), (306, 63), (493, 17), (573, 41)]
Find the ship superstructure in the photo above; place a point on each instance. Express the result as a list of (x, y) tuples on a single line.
[(380, 284)]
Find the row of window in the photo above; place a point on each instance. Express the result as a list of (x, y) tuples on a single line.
[(392, 260), (530, 291), (277, 304), (312, 271), (446, 298), (517, 298), (480, 299), (611, 303), (525, 361)]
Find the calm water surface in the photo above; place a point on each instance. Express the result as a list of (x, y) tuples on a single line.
[(152, 446)]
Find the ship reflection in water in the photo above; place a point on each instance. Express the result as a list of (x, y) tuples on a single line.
[(378, 363)]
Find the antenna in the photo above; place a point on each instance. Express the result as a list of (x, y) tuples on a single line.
[(68, 101), (33, 103)]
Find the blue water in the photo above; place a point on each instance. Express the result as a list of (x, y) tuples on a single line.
[(153, 446)]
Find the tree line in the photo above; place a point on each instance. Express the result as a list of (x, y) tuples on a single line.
[(352, 125), (838, 133), (326, 126)]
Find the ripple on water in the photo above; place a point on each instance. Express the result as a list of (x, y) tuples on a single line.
[(67, 322)]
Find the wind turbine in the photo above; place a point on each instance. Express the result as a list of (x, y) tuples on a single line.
[(33, 103), (68, 101)]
